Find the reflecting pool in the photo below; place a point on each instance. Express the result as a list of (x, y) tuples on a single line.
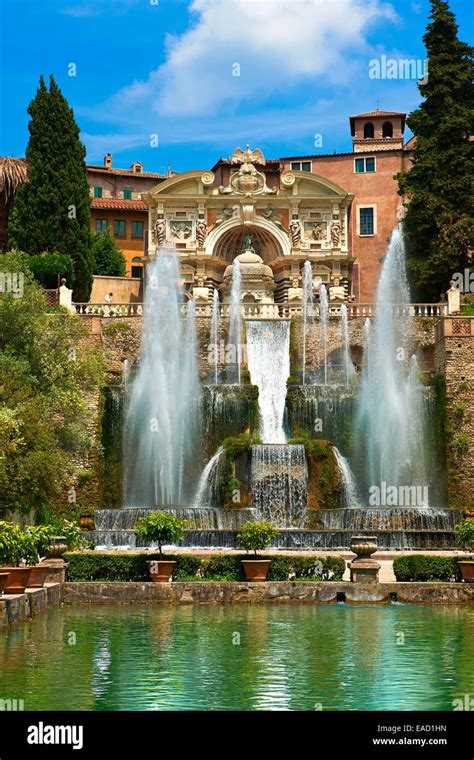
[(255, 657)]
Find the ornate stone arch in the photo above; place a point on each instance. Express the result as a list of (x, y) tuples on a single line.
[(223, 229)]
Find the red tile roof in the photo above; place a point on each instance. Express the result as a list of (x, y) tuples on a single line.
[(119, 203), (377, 112), (127, 172)]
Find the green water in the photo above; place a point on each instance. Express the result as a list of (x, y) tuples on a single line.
[(268, 657)]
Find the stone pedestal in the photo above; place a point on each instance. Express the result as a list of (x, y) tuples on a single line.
[(56, 570), (364, 571)]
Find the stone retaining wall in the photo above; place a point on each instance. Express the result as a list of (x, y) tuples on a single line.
[(281, 592), (15, 608)]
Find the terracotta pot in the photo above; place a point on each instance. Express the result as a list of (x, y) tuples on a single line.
[(18, 579), (161, 570), (3, 580), (256, 569), (38, 576), (467, 570)]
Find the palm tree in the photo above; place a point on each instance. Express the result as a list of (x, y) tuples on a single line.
[(13, 173)]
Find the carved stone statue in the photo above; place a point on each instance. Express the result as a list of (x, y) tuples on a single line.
[(336, 234), (248, 245), (318, 232), (201, 232), (159, 232), (336, 291), (295, 232), (247, 180), (454, 298)]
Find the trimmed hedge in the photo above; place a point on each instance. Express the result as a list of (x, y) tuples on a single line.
[(426, 567), (97, 566)]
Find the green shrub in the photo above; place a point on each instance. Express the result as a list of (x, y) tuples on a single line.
[(161, 528), (97, 566), (465, 534), (115, 327), (425, 567), (255, 536)]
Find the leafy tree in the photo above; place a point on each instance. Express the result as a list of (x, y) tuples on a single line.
[(46, 268), (51, 211), (108, 259), (46, 371), (438, 223)]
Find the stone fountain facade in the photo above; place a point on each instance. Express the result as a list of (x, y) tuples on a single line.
[(248, 203)]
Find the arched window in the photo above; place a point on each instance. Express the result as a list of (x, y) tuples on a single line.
[(387, 129), (368, 130), (136, 259)]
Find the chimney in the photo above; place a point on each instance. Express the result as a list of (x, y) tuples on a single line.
[(108, 161)]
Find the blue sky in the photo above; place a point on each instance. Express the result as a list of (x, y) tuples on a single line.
[(182, 82)]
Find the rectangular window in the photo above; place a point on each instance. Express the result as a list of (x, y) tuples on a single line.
[(127, 193), (120, 227), (366, 221), (97, 191), (101, 225), (137, 271), (362, 165), (301, 166), (137, 230)]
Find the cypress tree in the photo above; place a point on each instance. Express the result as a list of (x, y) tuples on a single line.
[(52, 209), (438, 186)]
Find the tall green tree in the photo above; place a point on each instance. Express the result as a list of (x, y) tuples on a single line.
[(52, 208), (438, 186)]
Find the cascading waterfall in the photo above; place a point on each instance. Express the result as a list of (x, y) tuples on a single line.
[(208, 486), (162, 419), (324, 324), (349, 487), (268, 354), (235, 324), (389, 419), (279, 478), (349, 373), (214, 337), (307, 307)]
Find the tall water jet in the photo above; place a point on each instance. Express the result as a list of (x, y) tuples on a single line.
[(389, 419), (207, 490), (235, 324), (268, 355), (347, 363), (125, 372), (161, 424), (350, 495), (307, 307), (214, 337), (324, 324)]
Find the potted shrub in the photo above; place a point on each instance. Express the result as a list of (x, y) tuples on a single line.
[(465, 539), (160, 528), (42, 538), (256, 536), (15, 547)]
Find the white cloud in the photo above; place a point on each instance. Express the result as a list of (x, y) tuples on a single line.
[(276, 43)]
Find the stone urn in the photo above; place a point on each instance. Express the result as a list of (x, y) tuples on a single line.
[(58, 548), (363, 546), (363, 568)]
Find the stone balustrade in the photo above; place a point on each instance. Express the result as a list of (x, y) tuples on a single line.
[(266, 310)]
